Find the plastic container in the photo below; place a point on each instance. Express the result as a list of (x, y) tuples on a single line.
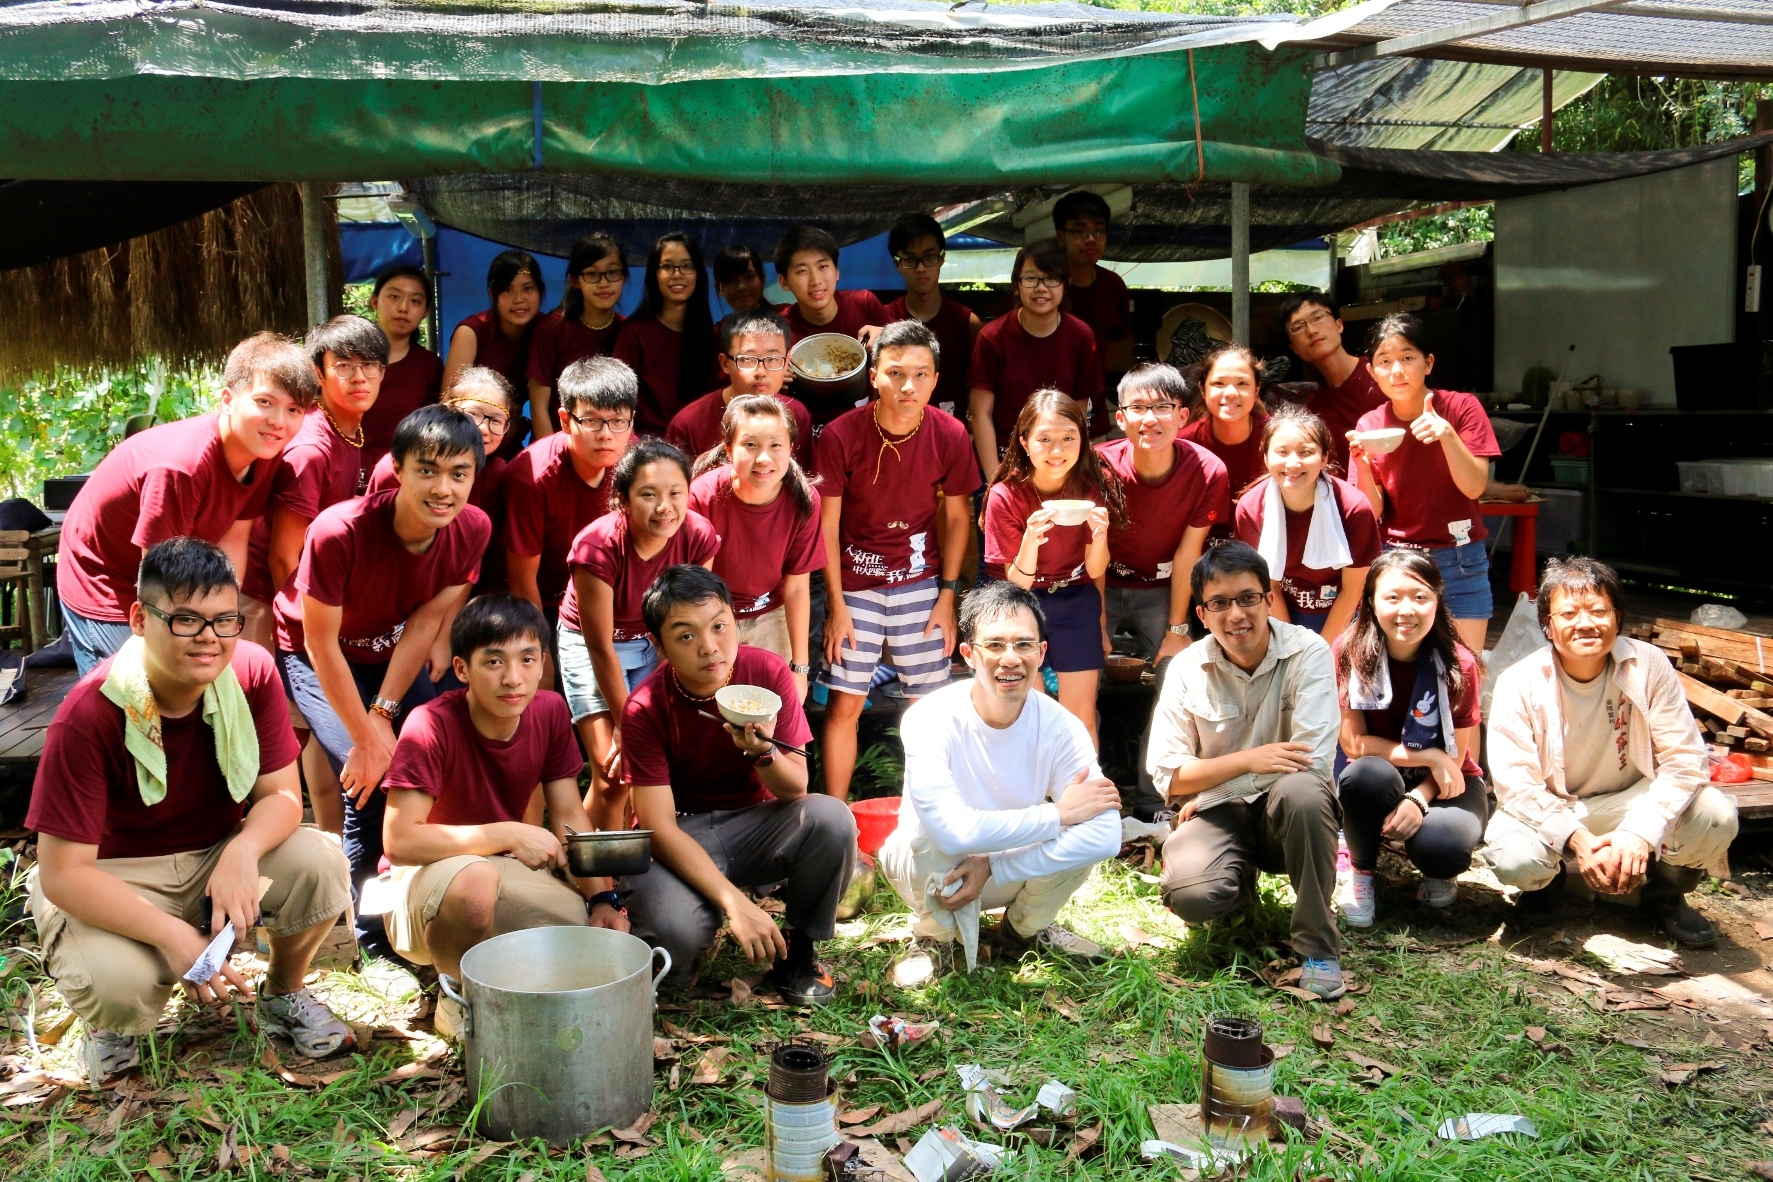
[(1698, 476), (1569, 470), (876, 818), (1745, 478)]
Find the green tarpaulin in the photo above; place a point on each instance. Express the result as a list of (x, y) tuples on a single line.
[(877, 92)]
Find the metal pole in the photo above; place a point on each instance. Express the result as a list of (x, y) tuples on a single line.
[(314, 249), (432, 322), (1546, 114), (1240, 262)]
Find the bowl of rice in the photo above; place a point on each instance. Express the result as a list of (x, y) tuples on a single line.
[(741, 704)]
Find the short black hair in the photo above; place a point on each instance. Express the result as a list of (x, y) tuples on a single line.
[(1080, 203), (734, 260), (683, 583), (647, 450), (506, 266), (1299, 299), (994, 601), (401, 271), (1048, 258), (905, 334), (910, 228), (180, 568), (761, 319), (349, 338), (803, 237), (1154, 377), (495, 619), (598, 383), (1224, 561), (435, 431), (1405, 327), (1579, 573)]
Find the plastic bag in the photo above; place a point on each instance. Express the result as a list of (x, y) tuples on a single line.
[(1733, 768), (1717, 615), (1521, 638)]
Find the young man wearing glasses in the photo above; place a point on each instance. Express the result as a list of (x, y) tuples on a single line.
[(1346, 389), (167, 796), (1095, 295), (754, 357), (918, 247), (554, 488), (1005, 802), (1598, 764), (806, 267), (1242, 742)]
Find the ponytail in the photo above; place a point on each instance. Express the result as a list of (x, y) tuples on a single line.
[(795, 481)]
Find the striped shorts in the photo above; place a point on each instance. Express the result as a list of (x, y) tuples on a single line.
[(889, 621)]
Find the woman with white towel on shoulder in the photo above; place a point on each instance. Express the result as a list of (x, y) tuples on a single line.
[(1316, 531)]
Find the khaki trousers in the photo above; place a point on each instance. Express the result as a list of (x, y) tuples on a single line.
[(527, 899), (768, 631), (1291, 829), (121, 985), (1030, 905), (1700, 836)]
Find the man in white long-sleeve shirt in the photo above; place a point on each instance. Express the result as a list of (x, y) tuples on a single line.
[(1005, 803)]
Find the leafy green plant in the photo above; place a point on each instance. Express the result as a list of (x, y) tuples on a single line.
[(67, 423)]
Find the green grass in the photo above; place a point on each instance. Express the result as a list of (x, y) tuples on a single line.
[(1450, 1009)]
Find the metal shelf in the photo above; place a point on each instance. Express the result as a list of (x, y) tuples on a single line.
[(1657, 492)]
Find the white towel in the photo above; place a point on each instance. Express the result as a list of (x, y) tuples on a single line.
[(1377, 696), (1326, 542)]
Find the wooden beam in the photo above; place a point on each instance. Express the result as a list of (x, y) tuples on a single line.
[(1720, 706)]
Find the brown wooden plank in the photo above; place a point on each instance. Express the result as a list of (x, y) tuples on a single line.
[(1717, 704)]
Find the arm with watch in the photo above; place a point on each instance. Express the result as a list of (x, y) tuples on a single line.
[(957, 527), (1188, 552), (797, 605)]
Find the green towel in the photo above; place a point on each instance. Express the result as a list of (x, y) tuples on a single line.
[(225, 709)]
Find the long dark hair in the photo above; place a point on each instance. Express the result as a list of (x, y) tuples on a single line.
[(1363, 645), (795, 481), (696, 358), (588, 251), (503, 271), (1089, 474)]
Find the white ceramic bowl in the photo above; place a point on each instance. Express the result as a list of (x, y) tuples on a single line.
[(740, 704), (1381, 441), (1069, 512)]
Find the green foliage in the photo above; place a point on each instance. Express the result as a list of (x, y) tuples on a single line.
[(1477, 224), (357, 299), (69, 422), (1624, 114)]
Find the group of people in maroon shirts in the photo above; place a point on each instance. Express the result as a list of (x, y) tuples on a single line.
[(356, 567)]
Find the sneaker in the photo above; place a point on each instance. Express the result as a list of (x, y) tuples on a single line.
[(1360, 902), (1324, 978), (922, 962), (1438, 893), (302, 1017), (1051, 940), (448, 1019), (107, 1053), (799, 977)]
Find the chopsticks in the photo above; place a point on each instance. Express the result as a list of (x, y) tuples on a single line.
[(781, 746)]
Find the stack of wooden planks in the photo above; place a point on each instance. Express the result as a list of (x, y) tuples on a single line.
[(1728, 677)]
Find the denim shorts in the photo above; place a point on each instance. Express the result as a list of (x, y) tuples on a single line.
[(579, 679), (1466, 572), (92, 640)]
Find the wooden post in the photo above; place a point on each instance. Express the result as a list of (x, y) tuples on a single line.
[(314, 249), (1546, 114), (1240, 262)]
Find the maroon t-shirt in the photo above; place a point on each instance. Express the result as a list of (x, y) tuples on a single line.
[(476, 780), (413, 381), (953, 326), (487, 495), (1008, 506), (493, 350), (1105, 306), (1311, 589), (606, 549), (353, 560), (655, 354), (665, 739), (170, 481), (759, 544), (558, 343), (86, 789), (546, 505), (1423, 507), (889, 529), (1341, 407), (1013, 365), (1192, 496), (696, 428), (320, 467), (1244, 463), (856, 310), (1389, 722)]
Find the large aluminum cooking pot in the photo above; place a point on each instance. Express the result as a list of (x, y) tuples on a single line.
[(830, 370), (558, 1034)]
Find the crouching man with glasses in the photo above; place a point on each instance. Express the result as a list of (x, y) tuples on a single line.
[(1241, 742)]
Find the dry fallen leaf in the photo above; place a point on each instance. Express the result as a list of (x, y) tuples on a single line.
[(224, 1153), (708, 1069), (402, 1123), (664, 1051), (1323, 1036), (635, 1134), (1301, 994), (1084, 1141), (592, 1173), (1535, 1034), (857, 1116), (159, 1158), (1345, 1007), (748, 1165), (1375, 1064), (1282, 1050), (902, 1122), (741, 992), (1761, 1169)]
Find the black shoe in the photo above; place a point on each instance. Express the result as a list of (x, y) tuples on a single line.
[(1534, 908), (799, 977), (1665, 899)]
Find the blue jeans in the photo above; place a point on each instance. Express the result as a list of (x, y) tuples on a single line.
[(579, 679), (1465, 570), (91, 640)]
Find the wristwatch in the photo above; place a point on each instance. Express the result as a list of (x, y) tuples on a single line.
[(1179, 630), (760, 761), (954, 585), (610, 897), (803, 670), (388, 708)]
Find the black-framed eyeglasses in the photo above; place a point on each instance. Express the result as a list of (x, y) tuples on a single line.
[(610, 276), (752, 361), (1222, 603), (1160, 410), (677, 268), (919, 262), (615, 426), (1051, 282), (498, 424), (188, 625)]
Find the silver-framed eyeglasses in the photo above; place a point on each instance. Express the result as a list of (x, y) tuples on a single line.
[(997, 648)]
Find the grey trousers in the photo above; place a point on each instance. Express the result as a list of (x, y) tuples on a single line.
[(1291, 829), (809, 844)]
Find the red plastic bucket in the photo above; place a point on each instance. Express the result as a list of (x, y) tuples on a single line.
[(876, 819)]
